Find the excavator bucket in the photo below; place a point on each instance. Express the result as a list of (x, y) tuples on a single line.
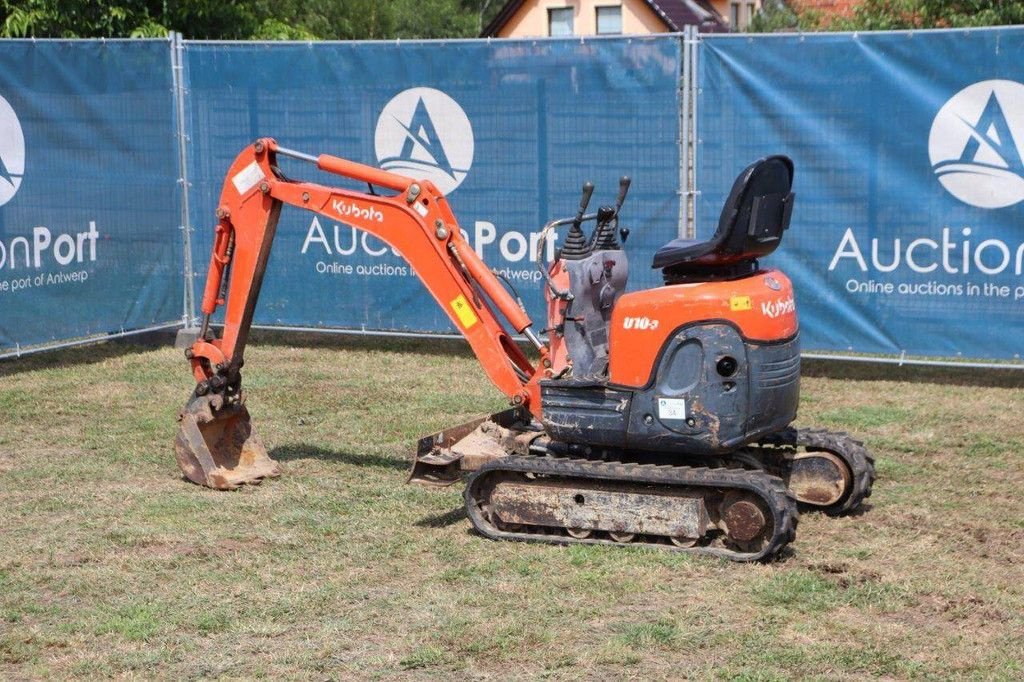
[(218, 447)]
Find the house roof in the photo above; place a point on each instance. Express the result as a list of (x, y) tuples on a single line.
[(680, 13), (675, 13)]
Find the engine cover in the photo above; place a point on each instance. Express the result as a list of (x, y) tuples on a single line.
[(713, 391), (694, 368), (760, 306)]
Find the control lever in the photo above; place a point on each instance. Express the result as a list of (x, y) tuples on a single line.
[(588, 191), (623, 188), (575, 246)]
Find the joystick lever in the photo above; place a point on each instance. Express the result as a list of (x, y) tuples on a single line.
[(623, 189)]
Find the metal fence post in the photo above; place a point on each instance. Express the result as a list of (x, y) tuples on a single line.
[(684, 136), (188, 285), (688, 135), (692, 192)]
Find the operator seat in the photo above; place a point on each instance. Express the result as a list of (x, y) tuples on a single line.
[(753, 219)]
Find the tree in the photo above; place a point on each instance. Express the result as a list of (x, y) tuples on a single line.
[(879, 15), (235, 19), (776, 15)]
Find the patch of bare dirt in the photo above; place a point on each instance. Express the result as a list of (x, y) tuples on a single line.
[(177, 550), (840, 573)]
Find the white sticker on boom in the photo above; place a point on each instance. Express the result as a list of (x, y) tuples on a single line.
[(420, 208), (671, 408), (248, 177)]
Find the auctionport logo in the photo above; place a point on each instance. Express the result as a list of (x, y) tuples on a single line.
[(424, 134), (12, 152), (975, 144)]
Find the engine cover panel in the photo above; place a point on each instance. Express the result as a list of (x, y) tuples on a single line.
[(712, 392)]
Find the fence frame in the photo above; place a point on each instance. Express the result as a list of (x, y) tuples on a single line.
[(902, 358), (690, 91), (59, 344)]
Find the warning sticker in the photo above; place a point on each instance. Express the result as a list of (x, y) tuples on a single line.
[(464, 311), (737, 303), (248, 177), (671, 408)]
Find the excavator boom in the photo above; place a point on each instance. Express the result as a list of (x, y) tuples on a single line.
[(217, 445)]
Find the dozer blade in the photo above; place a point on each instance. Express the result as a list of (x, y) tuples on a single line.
[(218, 447), (442, 458)]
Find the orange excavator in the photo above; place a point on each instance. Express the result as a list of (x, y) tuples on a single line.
[(656, 418)]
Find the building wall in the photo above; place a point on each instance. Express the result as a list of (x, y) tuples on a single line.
[(532, 18)]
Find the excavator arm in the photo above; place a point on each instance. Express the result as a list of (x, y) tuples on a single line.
[(216, 444)]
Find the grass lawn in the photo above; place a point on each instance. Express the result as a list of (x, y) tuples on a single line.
[(110, 564)]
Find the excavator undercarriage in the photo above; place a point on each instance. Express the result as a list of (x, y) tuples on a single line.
[(659, 418), (743, 506)]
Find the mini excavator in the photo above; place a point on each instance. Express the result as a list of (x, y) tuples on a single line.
[(654, 418)]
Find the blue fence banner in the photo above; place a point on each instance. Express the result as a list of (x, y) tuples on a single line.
[(908, 228), (907, 236), (509, 130), (89, 202)]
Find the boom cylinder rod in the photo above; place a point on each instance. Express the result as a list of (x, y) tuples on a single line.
[(351, 169), (296, 155)]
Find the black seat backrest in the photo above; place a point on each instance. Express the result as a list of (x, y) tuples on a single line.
[(757, 211), (753, 219)]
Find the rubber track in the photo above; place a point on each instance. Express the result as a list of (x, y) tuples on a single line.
[(844, 446), (769, 488)]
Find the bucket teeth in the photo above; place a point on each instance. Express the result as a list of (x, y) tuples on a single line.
[(218, 447)]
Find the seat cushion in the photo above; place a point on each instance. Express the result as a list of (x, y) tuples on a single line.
[(679, 250)]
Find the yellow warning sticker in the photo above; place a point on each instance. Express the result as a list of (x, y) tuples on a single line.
[(740, 303), (464, 311)]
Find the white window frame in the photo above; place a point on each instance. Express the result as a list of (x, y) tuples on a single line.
[(572, 20), (597, 20)]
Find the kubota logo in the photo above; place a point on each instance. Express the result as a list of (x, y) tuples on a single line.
[(424, 134), (974, 145), (12, 152), (350, 209), (778, 307)]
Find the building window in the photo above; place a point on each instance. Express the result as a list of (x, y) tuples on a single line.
[(734, 15), (560, 21), (751, 11), (609, 20)]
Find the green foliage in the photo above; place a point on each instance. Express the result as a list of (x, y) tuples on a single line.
[(887, 15), (776, 16), (236, 19)]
